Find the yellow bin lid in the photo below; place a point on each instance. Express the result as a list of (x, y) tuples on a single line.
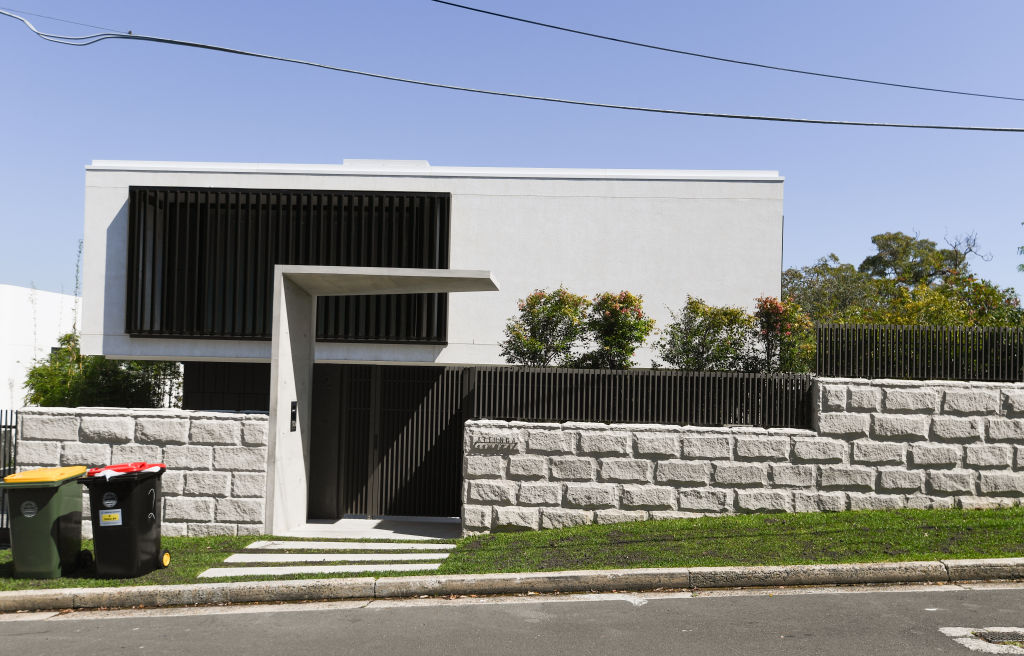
[(46, 475)]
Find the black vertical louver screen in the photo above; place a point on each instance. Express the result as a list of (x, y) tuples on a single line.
[(201, 261)]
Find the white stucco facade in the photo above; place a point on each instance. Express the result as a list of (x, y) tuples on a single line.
[(30, 324), (661, 233)]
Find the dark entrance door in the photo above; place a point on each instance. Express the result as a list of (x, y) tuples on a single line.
[(386, 440)]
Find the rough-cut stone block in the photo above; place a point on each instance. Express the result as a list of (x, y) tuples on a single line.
[(793, 475), (605, 443), (209, 530), (547, 441), (476, 518), (580, 495), (707, 447), (819, 450), (951, 482), (172, 483), (984, 503), (516, 519), (161, 430), (208, 484), (188, 457), (819, 501), (935, 455), (849, 478), (922, 401), (764, 500), (844, 424), (988, 455), (877, 501), (958, 429), (1013, 401), (650, 497), (48, 428), (1019, 461), (169, 529), (971, 402), (540, 494), (563, 517), (682, 472), (238, 510), (900, 427), (900, 480), (572, 468), (706, 500), (483, 466), (249, 529), (107, 430), (1006, 430), (38, 454), (215, 431), (188, 509), (626, 470), (879, 453), (527, 467), (619, 516), (925, 502), (740, 474), (240, 458), (254, 432), (136, 453), (90, 455), (865, 399), (762, 448), (833, 397), (672, 514), (1006, 485), (656, 445), (248, 484), (493, 492)]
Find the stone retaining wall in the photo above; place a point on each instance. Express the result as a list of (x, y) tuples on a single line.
[(215, 483), (877, 445)]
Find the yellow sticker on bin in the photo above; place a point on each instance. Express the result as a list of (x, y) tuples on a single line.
[(46, 475)]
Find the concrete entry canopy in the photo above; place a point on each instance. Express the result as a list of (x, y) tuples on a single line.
[(296, 288)]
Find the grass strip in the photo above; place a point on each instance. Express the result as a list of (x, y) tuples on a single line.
[(783, 539)]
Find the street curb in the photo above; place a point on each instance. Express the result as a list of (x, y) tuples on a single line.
[(632, 580)]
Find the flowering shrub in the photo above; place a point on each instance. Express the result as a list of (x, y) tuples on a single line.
[(786, 336), (618, 327), (547, 329)]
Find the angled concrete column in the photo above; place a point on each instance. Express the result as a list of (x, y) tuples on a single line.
[(293, 352)]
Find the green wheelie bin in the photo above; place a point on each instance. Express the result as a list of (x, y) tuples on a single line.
[(44, 507)]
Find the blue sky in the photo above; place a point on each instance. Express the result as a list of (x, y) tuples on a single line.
[(62, 107)]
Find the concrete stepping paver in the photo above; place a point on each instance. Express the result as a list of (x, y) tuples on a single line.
[(330, 557), (288, 545), (216, 572)]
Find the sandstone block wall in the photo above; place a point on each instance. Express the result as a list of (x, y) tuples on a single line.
[(215, 483), (876, 445)]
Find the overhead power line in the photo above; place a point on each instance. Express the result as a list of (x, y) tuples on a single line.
[(727, 60), (61, 20), (91, 39)]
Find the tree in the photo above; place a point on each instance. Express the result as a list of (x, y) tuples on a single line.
[(786, 335), (617, 327), (831, 291), (547, 330), (69, 379), (910, 260), (704, 337)]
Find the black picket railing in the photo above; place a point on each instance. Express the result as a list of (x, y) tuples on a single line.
[(8, 446), (921, 352), (647, 396)]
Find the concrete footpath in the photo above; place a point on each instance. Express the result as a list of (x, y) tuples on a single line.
[(633, 580)]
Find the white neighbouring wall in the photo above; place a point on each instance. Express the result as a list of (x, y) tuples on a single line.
[(660, 233), (30, 323)]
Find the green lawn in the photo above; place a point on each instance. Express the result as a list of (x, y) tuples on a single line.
[(847, 537)]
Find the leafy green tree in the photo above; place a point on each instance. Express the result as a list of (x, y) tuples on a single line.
[(704, 337), (831, 291), (69, 379), (547, 329), (910, 260), (617, 327)]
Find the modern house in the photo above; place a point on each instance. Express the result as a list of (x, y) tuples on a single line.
[(180, 265)]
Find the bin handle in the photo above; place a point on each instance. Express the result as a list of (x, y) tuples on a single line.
[(152, 508)]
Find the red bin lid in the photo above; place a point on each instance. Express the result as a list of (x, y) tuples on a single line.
[(126, 468)]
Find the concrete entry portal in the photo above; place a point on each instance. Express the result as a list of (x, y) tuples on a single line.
[(292, 356)]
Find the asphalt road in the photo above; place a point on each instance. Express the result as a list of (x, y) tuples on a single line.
[(825, 622)]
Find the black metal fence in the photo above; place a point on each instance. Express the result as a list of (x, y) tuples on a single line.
[(921, 352), (8, 436), (646, 396)]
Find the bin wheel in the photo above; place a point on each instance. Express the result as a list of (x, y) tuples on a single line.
[(85, 559), (165, 559)]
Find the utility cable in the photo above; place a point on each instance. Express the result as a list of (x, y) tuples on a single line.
[(727, 60), (96, 38), (62, 20)]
